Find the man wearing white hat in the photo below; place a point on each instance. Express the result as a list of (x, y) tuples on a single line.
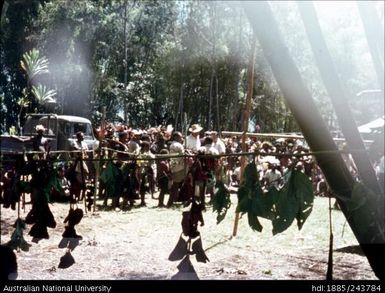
[(39, 142), (193, 141)]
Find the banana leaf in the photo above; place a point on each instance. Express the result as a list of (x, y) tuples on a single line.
[(295, 202)]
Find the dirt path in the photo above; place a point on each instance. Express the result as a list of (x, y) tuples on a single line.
[(135, 244)]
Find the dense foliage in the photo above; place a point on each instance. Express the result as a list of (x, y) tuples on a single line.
[(157, 62)]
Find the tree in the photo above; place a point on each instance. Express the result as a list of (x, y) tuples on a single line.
[(16, 19), (34, 66)]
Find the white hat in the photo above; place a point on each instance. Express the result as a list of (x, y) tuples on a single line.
[(195, 128), (39, 127), (137, 132)]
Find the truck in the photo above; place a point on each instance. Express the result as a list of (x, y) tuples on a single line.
[(60, 130)]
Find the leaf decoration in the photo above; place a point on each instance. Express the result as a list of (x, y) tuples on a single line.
[(247, 187), (243, 200), (109, 176), (53, 183), (221, 201), (250, 175), (266, 203), (17, 238), (251, 199), (40, 215), (295, 202), (23, 186), (305, 197), (254, 222)]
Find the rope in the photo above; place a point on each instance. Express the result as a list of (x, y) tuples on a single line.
[(134, 156)]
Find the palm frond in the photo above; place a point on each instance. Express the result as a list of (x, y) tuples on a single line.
[(42, 94), (33, 64), (23, 102)]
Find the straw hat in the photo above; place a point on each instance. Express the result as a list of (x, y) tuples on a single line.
[(39, 127), (195, 128)]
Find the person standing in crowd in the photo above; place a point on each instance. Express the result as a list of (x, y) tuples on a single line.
[(218, 144), (80, 168), (272, 176), (208, 166), (163, 177), (177, 167), (146, 170), (133, 145), (193, 142), (39, 142)]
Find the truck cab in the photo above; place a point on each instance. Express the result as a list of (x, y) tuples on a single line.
[(60, 130)]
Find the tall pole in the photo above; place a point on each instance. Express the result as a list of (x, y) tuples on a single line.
[(337, 94), (246, 116), (125, 110), (371, 237)]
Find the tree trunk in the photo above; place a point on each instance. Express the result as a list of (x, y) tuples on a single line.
[(313, 128), (209, 124), (218, 123)]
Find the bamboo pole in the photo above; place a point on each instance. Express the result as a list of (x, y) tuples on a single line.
[(246, 116)]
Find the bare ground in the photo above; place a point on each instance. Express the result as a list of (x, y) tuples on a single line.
[(135, 244)]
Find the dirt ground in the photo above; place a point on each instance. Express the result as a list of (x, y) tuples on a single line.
[(135, 244)]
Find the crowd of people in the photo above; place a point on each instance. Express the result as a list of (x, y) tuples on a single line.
[(179, 166), (141, 162)]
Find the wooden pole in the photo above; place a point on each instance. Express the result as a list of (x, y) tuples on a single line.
[(246, 116), (98, 166), (337, 95)]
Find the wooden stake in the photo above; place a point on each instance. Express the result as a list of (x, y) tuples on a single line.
[(99, 164), (246, 115)]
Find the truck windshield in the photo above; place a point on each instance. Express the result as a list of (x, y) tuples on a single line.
[(32, 121), (83, 127), (69, 129)]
